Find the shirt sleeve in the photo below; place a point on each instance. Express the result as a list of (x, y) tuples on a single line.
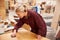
[(18, 25), (40, 24)]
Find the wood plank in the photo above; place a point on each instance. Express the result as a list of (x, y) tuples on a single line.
[(21, 35), (2, 9), (56, 15)]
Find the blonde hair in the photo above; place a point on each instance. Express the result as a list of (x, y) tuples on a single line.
[(21, 8)]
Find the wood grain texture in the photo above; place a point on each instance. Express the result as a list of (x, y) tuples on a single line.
[(22, 34)]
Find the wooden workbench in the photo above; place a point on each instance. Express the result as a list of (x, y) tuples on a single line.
[(21, 35)]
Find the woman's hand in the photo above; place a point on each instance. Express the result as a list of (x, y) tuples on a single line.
[(13, 34), (39, 37)]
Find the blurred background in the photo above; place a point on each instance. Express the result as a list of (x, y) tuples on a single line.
[(48, 9)]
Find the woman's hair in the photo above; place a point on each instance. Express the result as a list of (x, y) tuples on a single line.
[(22, 8)]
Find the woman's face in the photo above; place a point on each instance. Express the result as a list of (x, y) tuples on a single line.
[(20, 14)]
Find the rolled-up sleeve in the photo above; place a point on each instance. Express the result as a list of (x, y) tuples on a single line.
[(40, 24)]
